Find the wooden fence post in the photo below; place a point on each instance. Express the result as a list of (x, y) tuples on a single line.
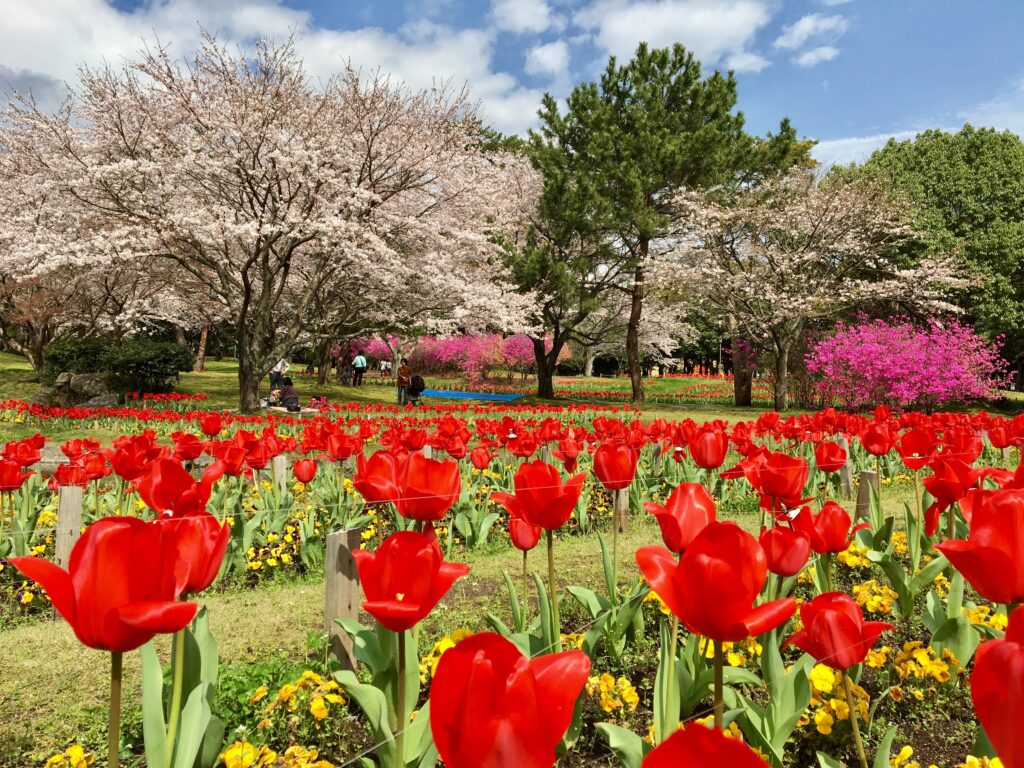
[(69, 522), (341, 592), (620, 502), (657, 460), (279, 471), (868, 480), (846, 471), (428, 451)]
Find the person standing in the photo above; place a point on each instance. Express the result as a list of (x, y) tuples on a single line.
[(277, 373), (358, 369), (346, 370), (403, 380)]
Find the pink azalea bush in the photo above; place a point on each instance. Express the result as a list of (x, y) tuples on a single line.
[(901, 364), (477, 356)]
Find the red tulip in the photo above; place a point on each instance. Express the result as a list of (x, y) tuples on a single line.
[(122, 584), (698, 746), (75, 449), (835, 632), (405, 578), (25, 452), (615, 465), (689, 508), (211, 424), (69, 474), (828, 531), (992, 557), (829, 457), (342, 446), (304, 470), (1000, 436), (916, 448), (166, 486), (787, 550), (708, 447), (541, 497), (480, 457), (491, 707), (997, 690), (11, 476), (779, 479), (523, 533), (95, 465), (187, 447), (427, 488), (714, 585), (376, 478), (231, 458), (568, 452), (877, 439), (202, 542), (950, 481)]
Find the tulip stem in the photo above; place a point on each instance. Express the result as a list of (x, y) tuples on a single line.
[(526, 590), (719, 683), (853, 720), (827, 567), (951, 533), (400, 716), (669, 728), (553, 594), (114, 716), (178, 667)]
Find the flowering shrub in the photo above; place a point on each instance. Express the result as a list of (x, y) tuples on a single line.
[(899, 363), (476, 355)]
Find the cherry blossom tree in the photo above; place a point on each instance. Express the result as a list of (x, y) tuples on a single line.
[(301, 207), (794, 250)]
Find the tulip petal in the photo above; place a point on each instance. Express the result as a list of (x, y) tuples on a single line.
[(770, 615), (984, 567), (159, 616), (53, 579), (658, 566)]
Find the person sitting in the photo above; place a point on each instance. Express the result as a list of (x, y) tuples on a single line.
[(289, 396)]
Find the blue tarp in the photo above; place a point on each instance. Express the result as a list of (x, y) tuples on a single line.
[(469, 395)]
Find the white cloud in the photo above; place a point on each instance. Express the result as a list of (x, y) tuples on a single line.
[(549, 59), (715, 30), (815, 56), (855, 148), (747, 61), (423, 54), (1005, 112), (521, 15), (812, 25), (43, 42)]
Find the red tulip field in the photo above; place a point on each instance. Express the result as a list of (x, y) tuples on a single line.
[(536, 585)]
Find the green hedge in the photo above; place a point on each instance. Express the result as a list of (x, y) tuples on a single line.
[(138, 365)]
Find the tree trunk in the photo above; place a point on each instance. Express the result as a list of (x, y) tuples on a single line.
[(323, 367), (179, 336), (588, 364), (545, 372), (636, 378), (742, 372), (781, 371), (248, 378), (204, 334)]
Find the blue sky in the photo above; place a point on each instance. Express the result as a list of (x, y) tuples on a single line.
[(847, 72)]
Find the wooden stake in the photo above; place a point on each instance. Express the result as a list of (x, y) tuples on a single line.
[(341, 592)]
